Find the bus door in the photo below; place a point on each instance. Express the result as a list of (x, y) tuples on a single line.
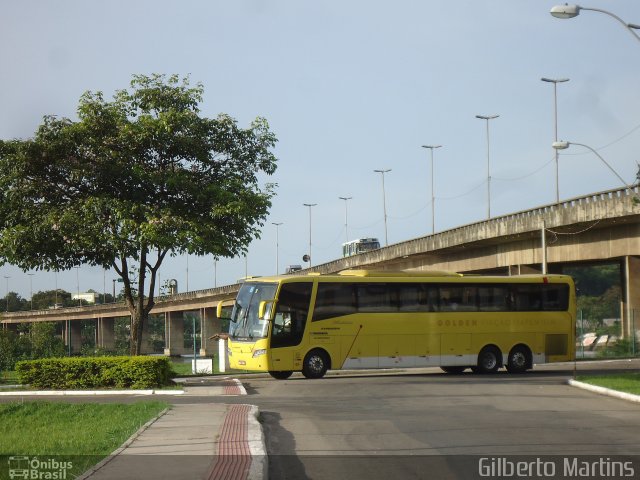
[(287, 328)]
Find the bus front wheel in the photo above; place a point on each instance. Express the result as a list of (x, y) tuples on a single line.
[(280, 375), (489, 360), (315, 364)]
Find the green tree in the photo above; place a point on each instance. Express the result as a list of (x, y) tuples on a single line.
[(594, 280), (9, 350), (131, 181), (49, 299), (13, 302), (44, 341)]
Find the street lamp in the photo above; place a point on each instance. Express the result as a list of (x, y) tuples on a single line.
[(346, 217), (571, 11), (31, 287), (277, 224), (384, 204), (487, 118), (78, 284), (433, 198), (6, 277), (562, 145), (555, 82), (310, 205)]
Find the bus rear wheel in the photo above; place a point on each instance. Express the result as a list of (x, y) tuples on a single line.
[(280, 375), (519, 359), (453, 370), (315, 364), (489, 360)]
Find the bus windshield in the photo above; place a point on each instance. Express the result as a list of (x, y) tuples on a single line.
[(245, 323)]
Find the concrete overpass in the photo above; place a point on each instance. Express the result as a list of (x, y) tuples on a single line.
[(600, 227)]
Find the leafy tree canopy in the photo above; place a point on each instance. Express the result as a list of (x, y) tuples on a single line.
[(134, 179), (594, 280)]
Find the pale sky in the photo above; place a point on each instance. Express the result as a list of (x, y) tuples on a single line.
[(349, 87)]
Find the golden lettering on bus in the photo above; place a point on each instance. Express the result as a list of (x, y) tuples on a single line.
[(462, 322)]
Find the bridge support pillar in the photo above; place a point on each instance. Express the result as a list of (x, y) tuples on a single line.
[(174, 334), (10, 327), (73, 337), (210, 326), (631, 301), (105, 333), (524, 269)]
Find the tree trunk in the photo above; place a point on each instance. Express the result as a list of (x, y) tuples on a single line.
[(136, 304), (138, 319)]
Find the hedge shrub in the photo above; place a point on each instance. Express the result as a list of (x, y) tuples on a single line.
[(95, 372)]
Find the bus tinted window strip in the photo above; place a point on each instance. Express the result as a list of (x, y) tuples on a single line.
[(338, 299)]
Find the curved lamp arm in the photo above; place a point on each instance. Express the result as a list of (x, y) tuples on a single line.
[(570, 11)]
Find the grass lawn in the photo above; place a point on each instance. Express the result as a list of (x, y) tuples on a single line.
[(183, 368), (623, 382), (83, 433)]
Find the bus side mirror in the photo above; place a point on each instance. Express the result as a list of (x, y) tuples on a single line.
[(220, 313), (265, 308)]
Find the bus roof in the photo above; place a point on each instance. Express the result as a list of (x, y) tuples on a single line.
[(397, 273), (407, 275)]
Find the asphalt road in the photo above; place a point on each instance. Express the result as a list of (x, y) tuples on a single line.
[(427, 424), (432, 425)]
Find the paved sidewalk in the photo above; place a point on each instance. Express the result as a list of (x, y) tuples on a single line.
[(193, 441)]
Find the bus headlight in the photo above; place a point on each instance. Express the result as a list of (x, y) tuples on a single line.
[(257, 353)]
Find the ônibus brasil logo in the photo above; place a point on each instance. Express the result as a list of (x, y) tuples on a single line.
[(34, 468)]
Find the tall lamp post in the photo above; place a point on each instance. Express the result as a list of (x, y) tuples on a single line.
[(346, 217), (277, 224), (78, 284), (555, 82), (31, 287), (487, 118), (384, 204), (6, 277), (433, 198), (310, 205), (571, 11)]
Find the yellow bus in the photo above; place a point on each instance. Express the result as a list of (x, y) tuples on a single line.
[(360, 319)]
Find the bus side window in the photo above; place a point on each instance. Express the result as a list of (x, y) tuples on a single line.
[(555, 297), (282, 323), (528, 297), (334, 300), (494, 298), (417, 297), (376, 297)]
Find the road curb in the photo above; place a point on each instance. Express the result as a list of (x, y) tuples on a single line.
[(605, 391), (255, 437), (36, 393)]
